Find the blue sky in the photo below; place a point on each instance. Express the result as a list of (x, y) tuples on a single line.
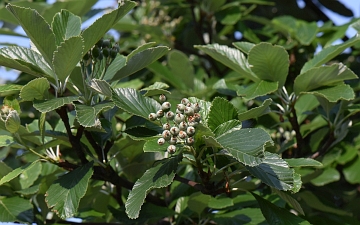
[(354, 5)]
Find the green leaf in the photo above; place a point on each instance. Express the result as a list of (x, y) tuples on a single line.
[(329, 175), (164, 73), (221, 111), (29, 175), (101, 87), (290, 200), (133, 102), (95, 31), (52, 104), (225, 127), (274, 172), (335, 93), (6, 140), (303, 162), (257, 111), (140, 60), (37, 29), (9, 89), (198, 202), (277, 215), (244, 46), (35, 89), (305, 32), (156, 89), (65, 25), (87, 115), (153, 146), (118, 63), (322, 76), (351, 171), (157, 177), (65, 193), (243, 216), (42, 122), (329, 53), (220, 202), (181, 67), (26, 60), (269, 63), (257, 89), (16, 209), (230, 57), (12, 122), (67, 55), (246, 145), (16, 172)]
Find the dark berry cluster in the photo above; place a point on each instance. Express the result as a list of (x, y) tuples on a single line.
[(103, 48), (179, 126)]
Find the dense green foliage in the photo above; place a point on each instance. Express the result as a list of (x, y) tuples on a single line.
[(180, 121)]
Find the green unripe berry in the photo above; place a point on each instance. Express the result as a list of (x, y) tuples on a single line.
[(197, 117), (106, 43), (95, 52), (170, 115), (183, 125), (190, 141), (116, 47), (162, 98), (86, 56), (196, 107), (113, 53), (185, 101), (182, 134), (166, 106), (179, 118), (166, 135), (152, 116), (189, 111), (160, 113), (106, 52), (190, 131), (180, 107), (173, 140), (161, 141), (171, 149), (99, 43), (101, 56)]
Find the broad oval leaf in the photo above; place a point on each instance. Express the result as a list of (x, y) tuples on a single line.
[(274, 172), (303, 162), (140, 60), (65, 25), (133, 102), (16, 209), (16, 172), (87, 115), (12, 121), (9, 89), (153, 146), (157, 88), (157, 177), (225, 127), (351, 171), (64, 194), (181, 67), (257, 111), (221, 111), (101, 87), (118, 63), (269, 63), (322, 76), (244, 46), (329, 175), (26, 60), (37, 29), (35, 89), (52, 104), (230, 57), (257, 89), (246, 145), (97, 30), (67, 55), (335, 93), (6, 140)]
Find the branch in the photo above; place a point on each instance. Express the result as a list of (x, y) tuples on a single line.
[(95, 146), (326, 146), (295, 125)]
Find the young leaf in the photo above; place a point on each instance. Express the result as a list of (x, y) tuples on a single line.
[(16, 172), (335, 93), (256, 112), (269, 63), (65, 25), (87, 115), (16, 209), (140, 60), (246, 145), (65, 193), (97, 30), (274, 172), (221, 111), (230, 57), (157, 177), (277, 215), (101, 87), (133, 102), (322, 76), (52, 104), (37, 29), (118, 63), (244, 46), (26, 60), (225, 127), (257, 89), (303, 162), (35, 89), (67, 55), (181, 67), (156, 89)]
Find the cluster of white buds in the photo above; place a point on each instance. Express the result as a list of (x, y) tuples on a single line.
[(179, 126)]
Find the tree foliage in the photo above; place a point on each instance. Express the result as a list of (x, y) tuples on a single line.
[(181, 120)]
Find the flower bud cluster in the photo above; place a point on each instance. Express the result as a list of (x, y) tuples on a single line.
[(179, 126)]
